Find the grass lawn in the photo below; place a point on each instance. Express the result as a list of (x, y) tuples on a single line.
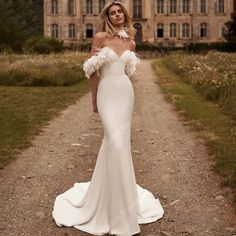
[(206, 117), (25, 110)]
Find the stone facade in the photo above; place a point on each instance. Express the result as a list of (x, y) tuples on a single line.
[(172, 22)]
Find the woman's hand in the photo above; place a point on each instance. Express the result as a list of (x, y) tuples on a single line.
[(95, 108)]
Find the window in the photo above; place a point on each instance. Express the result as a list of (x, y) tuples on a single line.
[(89, 6), (173, 6), (54, 30), (221, 6), (185, 30), (203, 6), (139, 33), (72, 31), (160, 6), (71, 7), (101, 5), (186, 6), (160, 30), (172, 30), (89, 31), (137, 9), (54, 7), (203, 30)]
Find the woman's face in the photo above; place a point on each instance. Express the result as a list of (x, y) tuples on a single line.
[(116, 15)]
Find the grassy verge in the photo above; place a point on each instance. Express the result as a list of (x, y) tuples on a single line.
[(206, 117), (25, 110), (41, 70), (213, 75)]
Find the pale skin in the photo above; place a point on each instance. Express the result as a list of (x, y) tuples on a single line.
[(117, 18)]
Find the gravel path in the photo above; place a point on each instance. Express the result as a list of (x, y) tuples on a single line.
[(169, 160)]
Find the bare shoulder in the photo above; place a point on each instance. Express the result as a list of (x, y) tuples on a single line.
[(100, 37), (132, 45), (98, 41)]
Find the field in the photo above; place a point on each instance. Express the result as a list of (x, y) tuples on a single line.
[(213, 75), (203, 89), (41, 70), (33, 89)]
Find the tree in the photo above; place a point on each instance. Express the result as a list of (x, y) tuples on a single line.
[(230, 33), (20, 20)]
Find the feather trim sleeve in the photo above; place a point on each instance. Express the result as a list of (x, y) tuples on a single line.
[(95, 62), (132, 64)]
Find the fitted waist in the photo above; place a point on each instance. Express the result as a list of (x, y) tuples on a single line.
[(113, 69), (112, 76)]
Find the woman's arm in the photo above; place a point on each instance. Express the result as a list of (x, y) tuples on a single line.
[(132, 45), (98, 42)]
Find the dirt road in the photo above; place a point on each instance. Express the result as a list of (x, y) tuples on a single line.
[(168, 158)]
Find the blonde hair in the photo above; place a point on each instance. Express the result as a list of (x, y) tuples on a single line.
[(106, 26)]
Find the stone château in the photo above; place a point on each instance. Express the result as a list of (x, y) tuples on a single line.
[(172, 22)]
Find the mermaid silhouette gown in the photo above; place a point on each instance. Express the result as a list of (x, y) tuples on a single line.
[(112, 202)]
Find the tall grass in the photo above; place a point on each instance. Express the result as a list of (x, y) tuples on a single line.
[(206, 117), (33, 89), (41, 70), (213, 75)]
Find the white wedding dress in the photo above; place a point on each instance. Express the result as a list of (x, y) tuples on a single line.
[(112, 202)]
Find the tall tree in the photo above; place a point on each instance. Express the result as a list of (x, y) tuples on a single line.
[(230, 33), (19, 20)]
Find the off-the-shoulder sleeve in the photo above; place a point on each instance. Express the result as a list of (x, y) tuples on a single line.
[(131, 66), (95, 62)]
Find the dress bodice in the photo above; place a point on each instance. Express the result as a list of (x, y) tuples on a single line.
[(108, 63)]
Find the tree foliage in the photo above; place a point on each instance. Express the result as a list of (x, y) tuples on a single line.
[(19, 20), (230, 33)]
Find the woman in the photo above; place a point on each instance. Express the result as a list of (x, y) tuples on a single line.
[(112, 202)]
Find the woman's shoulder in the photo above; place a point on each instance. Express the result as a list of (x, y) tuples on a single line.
[(132, 45), (100, 36), (98, 41)]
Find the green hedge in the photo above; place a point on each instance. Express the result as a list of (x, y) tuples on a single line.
[(204, 47), (43, 45)]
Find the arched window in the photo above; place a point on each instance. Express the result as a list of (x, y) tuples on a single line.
[(160, 30), (173, 30), (72, 32), (54, 7), (203, 30), (203, 6), (89, 6), (71, 7), (54, 31), (160, 6), (101, 5), (89, 31), (173, 6), (185, 30), (137, 9), (186, 6), (139, 33)]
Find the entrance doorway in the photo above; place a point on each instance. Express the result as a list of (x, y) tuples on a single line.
[(139, 33)]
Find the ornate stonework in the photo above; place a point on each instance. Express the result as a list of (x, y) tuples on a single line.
[(174, 22)]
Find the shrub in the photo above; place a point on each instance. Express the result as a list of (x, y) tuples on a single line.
[(43, 45), (204, 47), (146, 46), (4, 48), (84, 47)]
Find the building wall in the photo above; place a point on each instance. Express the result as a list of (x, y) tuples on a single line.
[(147, 22)]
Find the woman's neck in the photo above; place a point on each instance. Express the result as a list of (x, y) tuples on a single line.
[(118, 28)]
